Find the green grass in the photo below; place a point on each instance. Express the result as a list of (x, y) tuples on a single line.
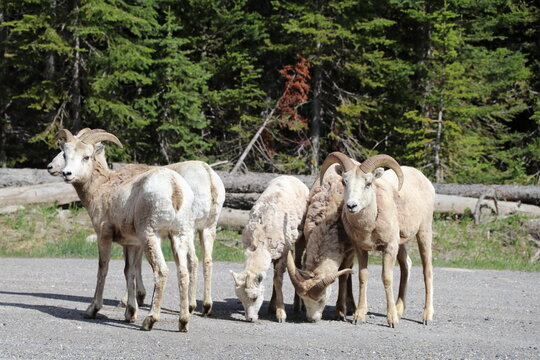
[(53, 232)]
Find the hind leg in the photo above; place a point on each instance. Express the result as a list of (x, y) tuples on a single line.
[(405, 264), (424, 238), (207, 237), (155, 258)]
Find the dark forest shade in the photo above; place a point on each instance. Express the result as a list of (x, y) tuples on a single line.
[(447, 86)]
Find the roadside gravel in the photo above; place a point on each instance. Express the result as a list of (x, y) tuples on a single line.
[(479, 314)]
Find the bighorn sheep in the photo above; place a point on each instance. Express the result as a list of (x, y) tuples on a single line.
[(209, 193), (382, 211), (275, 224), (329, 252), (137, 212)]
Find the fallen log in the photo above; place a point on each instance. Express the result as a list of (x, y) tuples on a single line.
[(61, 193), (252, 183)]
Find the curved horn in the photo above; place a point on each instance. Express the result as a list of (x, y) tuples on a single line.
[(93, 137), (336, 157), (376, 161), (317, 289), (83, 131), (65, 134), (296, 279)]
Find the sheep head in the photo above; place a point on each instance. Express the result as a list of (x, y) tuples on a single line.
[(81, 154), (313, 290), (250, 291), (57, 164), (358, 179)]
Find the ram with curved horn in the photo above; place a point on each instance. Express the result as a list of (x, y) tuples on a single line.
[(382, 211), (136, 211), (209, 193), (329, 254)]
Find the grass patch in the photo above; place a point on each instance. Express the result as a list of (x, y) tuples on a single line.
[(49, 231)]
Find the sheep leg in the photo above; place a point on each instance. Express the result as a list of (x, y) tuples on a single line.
[(181, 248), (389, 259), (155, 257), (361, 310), (141, 291), (279, 270), (299, 248), (130, 269), (345, 303), (272, 303), (193, 264), (104, 248), (405, 264), (424, 238), (207, 237)]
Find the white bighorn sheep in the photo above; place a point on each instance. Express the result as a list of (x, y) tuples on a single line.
[(209, 193), (382, 211), (137, 211), (329, 253), (275, 224)]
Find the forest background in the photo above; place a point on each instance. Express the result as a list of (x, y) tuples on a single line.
[(449, 86)]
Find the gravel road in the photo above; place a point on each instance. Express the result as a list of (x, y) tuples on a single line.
[(478, 315)]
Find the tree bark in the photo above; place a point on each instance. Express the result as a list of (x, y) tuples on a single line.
[(316, 120), (76, 77)]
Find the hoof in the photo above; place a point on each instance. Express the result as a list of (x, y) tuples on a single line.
[(207, 309), (192, 308), (148, 323), (130, 314), (91, 312), (183, 326)]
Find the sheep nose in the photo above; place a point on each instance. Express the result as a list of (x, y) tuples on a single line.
[(66, 173), (49, 167), (351, 206)]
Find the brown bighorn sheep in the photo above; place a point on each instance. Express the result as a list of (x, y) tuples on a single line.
[(136, 211), (382, 211), (275, 224), (209, 193), (329, 252)]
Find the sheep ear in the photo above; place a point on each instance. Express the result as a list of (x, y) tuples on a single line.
[(260, 277), (238, 281), (378, 173), (98, 148)]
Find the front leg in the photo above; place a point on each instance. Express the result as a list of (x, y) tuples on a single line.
[(389, 259), (361, 310), (279, 270), (104, 248)]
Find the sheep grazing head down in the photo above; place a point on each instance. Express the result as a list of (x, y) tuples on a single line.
[(358, 179), (80, 155), (250, 291), (313, 290)]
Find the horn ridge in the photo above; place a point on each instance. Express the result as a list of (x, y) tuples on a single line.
[(294, 275), (65, 134), (336, 157), (97, 136), (380, 160)]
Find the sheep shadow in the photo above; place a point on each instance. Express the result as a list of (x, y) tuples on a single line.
[(66, 313)]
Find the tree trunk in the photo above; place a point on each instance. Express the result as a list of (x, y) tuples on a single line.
[(316, 120), (437, 160), (76, 77)]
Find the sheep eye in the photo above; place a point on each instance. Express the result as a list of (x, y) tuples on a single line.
[(343, 181), (368, 185), (86, 158)]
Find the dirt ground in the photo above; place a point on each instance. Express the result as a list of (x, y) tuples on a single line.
[(479, 314)]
